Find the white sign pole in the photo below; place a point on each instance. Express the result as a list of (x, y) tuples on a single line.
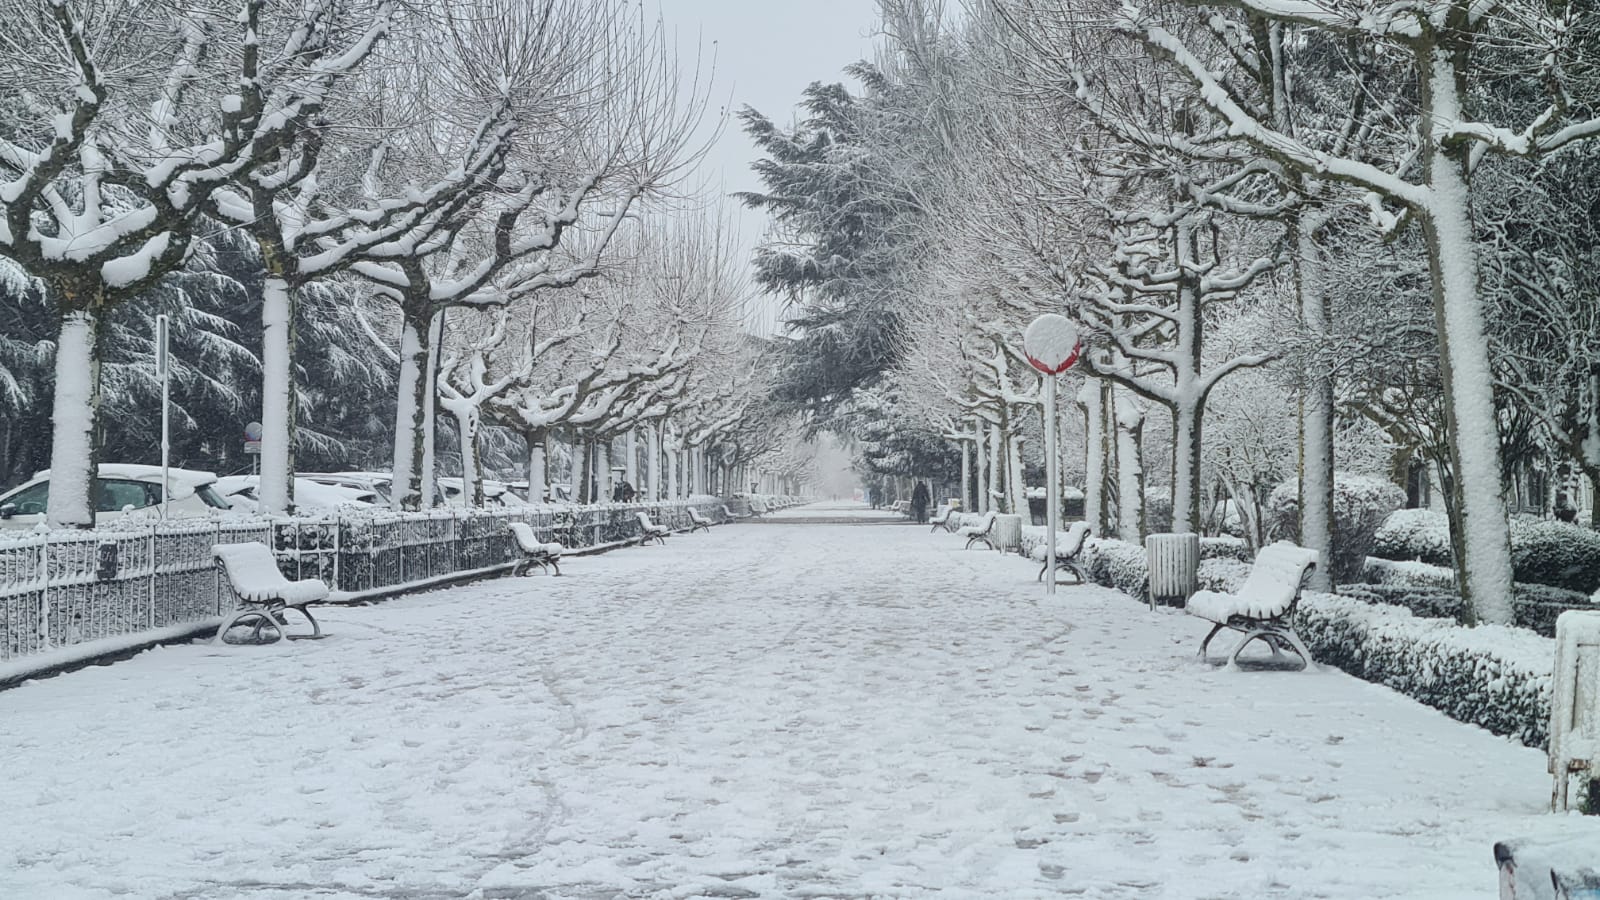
[(163, 367), (1052, 346), (1053, 487)]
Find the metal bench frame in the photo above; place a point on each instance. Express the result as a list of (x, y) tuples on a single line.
[(532, 556), (986, 536), (1277, 632), (265, 612)]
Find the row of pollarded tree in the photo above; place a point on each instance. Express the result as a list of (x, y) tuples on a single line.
[(462, 171), (1352, 217)]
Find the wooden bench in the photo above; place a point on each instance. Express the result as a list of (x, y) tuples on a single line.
[(264, 594), (698, 522), (942, 517), (1263, 609), (649, 530), (1067, 552), (730, 513), (544, 554), (982, 533), (758, 507)]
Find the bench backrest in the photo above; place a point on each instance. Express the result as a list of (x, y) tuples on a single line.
[(987, 522), (695, 516), (644, 521), (526, 539), (252, 569), (1077, 533), (1275, 579)]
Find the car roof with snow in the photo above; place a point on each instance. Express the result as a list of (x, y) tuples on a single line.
[(183, 481)]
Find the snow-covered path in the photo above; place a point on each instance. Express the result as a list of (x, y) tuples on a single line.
[(773, 711)]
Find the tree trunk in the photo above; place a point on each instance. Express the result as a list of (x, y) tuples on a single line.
[(980, 463), (1130, 470), (584, 467), (430, 413), (1479, 534), (411, 414), (966, 475), (652, 491), (996, 456), (1095, 513), (538, 465), (1016, 490), (1316, 409), (602, 469), (74, 449), (1186, 431), (630, 446), (468, 426), (276, 491)]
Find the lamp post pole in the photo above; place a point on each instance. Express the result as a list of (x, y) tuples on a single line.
[(1051, 345)]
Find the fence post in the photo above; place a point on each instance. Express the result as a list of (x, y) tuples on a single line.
[(44, 595)]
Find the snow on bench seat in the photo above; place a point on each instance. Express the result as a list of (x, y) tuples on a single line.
[(1264, 605), (253, 572), (544, 554), (264, 594), (649, 530), (980, 533), (698, 521), (1067, 551)]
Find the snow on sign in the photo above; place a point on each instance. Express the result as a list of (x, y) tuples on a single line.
[(1051, 344)]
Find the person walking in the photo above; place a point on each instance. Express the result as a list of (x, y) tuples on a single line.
[(919, 503)]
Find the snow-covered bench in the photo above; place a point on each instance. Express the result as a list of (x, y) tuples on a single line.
[(1067, 552), (1264, 606), (544, 554), (730, 514), (758, 507), (698, 522), (982, 533), (264, 594), (649, 530), (941, 517)]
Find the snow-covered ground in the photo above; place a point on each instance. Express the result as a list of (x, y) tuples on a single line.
[(774, 711)]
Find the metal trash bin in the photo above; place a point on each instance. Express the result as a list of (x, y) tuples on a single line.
[(1008, 533), (1575, 709), (1174, 561)]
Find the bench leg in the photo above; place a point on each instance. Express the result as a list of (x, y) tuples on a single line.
[(555, 565), (1207, 642), (316, 627), (263, 618)]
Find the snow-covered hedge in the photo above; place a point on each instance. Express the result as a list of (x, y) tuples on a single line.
[(1421, 574), (1361, 505), (1414, 534), (1558, 554), (1491, 676), (1225, 548)]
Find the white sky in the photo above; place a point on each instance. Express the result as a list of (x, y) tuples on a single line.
[(766, 52)]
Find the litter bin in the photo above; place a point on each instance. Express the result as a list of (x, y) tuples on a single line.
[(1008, 532), (1174, 567), (1575, 710)]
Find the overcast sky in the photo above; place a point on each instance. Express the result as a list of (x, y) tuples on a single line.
[(767, 51)]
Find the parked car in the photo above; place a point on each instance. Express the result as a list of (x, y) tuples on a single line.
[(377, 482), (309, 496), (121, 491), (495, 493)]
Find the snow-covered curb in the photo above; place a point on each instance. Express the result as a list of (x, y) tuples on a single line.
[(76, 656)]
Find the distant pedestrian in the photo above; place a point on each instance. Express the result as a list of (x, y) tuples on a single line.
[(919, 503)]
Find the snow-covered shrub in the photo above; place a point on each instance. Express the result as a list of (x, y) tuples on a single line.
[(1533, 606), (1157, 510), (1117, 564), (1492, 676), (1558, 554), (1225, 548), (1222, 574), (1386, 571), (1419, 534), (1361, 504)]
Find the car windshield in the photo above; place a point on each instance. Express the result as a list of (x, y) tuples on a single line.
[(112, 494), (209, 496), (29, 501)]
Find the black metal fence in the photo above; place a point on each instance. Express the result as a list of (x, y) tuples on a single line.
[(62, 589)]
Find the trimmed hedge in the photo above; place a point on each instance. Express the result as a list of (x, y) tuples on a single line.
[(1491, 676), (1361, 505), (1558, 554)]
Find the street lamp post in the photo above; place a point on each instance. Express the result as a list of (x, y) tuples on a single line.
[(1051, 345)]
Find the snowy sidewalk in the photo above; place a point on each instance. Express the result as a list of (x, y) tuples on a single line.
[(782, 711)]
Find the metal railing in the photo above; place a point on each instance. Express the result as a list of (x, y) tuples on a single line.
[(66, 588)]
